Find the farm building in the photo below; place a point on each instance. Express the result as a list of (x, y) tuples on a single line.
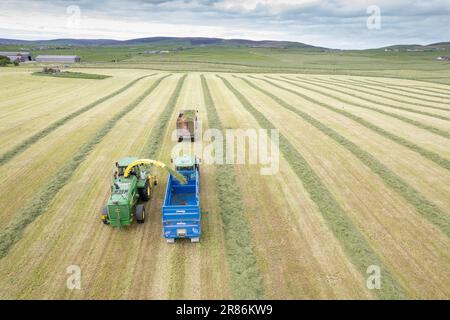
[(54, 58), (17, 56), (152, 52)]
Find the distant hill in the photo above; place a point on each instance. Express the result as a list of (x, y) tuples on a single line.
[(170, 41), (417, 47)]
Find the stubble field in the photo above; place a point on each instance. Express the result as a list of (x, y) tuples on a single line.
[(364, 180)]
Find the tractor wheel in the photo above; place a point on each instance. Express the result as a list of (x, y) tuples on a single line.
[(155, 182), (140, 213), (145, 192)]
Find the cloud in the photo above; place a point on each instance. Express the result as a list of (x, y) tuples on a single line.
[(330, 23)]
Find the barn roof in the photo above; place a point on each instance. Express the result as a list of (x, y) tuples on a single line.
[(56, 56), (13, 53)]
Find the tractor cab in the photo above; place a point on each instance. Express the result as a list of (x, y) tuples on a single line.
[(186, 163), (187, 166), (122, 165)]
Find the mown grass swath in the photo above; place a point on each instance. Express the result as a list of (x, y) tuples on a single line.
[(420, 89), (47, 130), (396, 90), (177, 273), (246, 280), (399, 88), (371, 93), (432, 156), (317, 84), (351, 239), (427, 209), (39, 203), (415, 123), (397, 93)]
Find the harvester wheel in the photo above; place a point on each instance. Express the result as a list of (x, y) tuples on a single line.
[(145, 192), (104, 215), (140, 213)]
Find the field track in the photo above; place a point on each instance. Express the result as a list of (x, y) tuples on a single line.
[(363, 180)]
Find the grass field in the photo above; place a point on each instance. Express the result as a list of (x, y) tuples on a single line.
[(241, 59), (363, 180)]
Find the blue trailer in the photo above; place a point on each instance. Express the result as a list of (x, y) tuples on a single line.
[(181, 209)]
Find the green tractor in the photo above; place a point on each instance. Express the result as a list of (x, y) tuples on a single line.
[(132, 185)]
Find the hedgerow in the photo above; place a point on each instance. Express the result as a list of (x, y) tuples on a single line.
[(353, 242), (52, 127), (39, 203), (246, 280)]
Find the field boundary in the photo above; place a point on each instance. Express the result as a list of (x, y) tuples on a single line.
[(430, 155), (41, 201), (21, 147), (352, 240), (246, 281), (423, 206)]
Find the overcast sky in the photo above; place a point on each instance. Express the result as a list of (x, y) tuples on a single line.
[(330, 23)]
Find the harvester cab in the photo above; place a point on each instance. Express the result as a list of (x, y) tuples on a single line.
[(132, 183)]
